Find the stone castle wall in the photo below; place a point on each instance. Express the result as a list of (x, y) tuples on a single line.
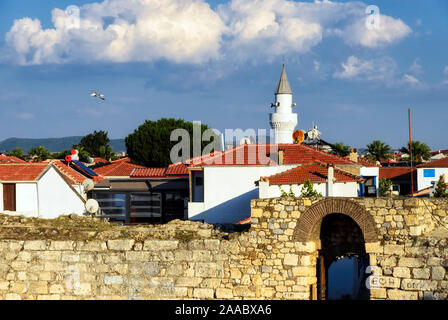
[(275, 259)]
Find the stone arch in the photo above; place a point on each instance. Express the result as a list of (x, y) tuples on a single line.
[(308, 225)]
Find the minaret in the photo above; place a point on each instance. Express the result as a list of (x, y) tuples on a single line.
[(283, 120)]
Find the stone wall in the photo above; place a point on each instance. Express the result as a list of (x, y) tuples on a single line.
[(405, 240), (275, 259)]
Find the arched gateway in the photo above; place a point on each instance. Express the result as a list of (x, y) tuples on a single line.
[(342, 227), (309, 223)]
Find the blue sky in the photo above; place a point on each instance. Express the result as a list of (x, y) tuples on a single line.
[(219, 62)]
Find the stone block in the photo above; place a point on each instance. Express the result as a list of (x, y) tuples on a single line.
[(35, 245), (438, 273), (290, 259), (421, 273), (402, 272), (418, 285), (61, 245), (120, 244), (394, 249), (374, 247), (395, 294), (411, 262), (203, 293)]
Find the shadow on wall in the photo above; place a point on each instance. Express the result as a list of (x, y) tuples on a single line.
[(231, 211)]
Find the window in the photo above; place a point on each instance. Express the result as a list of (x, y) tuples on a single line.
[(146, 207), (429, 173), (199, 181), (112, 205)]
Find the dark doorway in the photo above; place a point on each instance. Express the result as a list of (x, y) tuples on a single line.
[(342, 260), (9, 196)]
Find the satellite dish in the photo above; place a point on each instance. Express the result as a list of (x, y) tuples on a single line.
[(68, 158), (92, 206), (245, 140), (88, 184), (298, 136), (90, 160)]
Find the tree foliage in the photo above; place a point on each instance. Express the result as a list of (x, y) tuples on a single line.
[(378, 150), (39, 153), (16, 152), (308, 190), (440, 189), (420, 151), (341, 149), (149, 145), (385, 185), (95, 144)]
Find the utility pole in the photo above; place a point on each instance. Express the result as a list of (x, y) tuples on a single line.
[(410, 151)]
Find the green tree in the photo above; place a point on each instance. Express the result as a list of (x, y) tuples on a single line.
[(341, 149), (420, 151), (60, 155), (385, 185), (39, 153), (378, 150), (96, 144), (150, 143), (308, 190), (17, 152), (440, 189)]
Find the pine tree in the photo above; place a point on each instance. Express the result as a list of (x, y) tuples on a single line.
[(440, 189)]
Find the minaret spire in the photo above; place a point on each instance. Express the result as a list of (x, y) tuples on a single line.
[(283, 120)]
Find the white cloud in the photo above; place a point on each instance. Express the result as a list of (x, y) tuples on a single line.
[(390, 30), (25, 115), (416, 68), (381, 69), (189, 31), (413, 81)]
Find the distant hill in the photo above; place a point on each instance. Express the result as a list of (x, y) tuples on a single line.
[(53, 144)]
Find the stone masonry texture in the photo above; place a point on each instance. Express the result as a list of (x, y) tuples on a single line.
[(274, 259)]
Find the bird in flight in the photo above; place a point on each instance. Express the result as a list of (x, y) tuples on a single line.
[(96, 94)]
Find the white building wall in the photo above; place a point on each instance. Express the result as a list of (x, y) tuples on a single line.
[(56, 197), (26, 199), (425, 182), (1, 197), (348, 189), (228, 191)]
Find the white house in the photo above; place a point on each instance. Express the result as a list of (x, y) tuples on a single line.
[(429, 173), (326, 180), (38, 190)]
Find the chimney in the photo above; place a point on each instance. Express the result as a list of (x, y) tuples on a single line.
[(330, 180), (353, 155), (280, 157)]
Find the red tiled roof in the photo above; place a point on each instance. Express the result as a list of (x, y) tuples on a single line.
[(177, 169), (100, 160), (21, 171), (366, 162), (441, 163), (245, 154), (148, 172), (117, 168), (316, 172), (72, 175), (439, 151), (256, 154), (402, 173), (303, 154), (11, 159)]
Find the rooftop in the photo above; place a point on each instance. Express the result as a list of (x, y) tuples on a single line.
[(316, 172)]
